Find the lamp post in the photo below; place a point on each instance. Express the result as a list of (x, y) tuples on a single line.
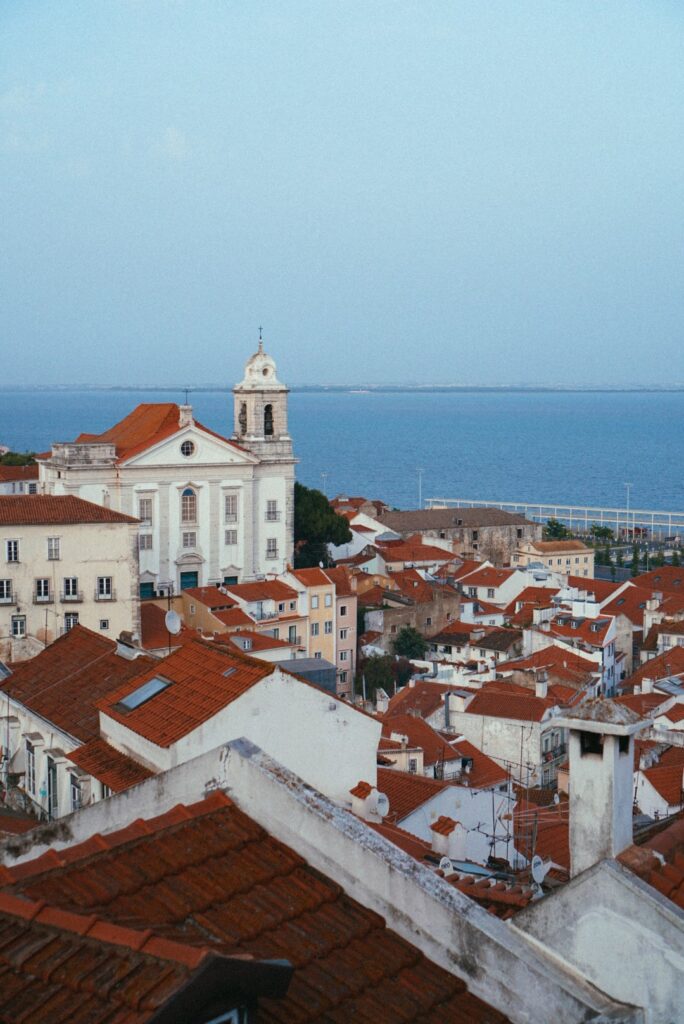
[(420, 472)]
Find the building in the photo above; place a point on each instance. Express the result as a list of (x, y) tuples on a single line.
[(213, 509), (19, 479), (565, 557), (486, 533), (64, 561)]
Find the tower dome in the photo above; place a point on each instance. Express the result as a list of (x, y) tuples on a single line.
[(260, 410), (260, 372)]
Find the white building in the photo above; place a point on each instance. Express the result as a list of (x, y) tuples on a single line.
[(213, 509)]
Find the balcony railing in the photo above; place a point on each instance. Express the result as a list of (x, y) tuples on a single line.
[(295, 640), (231, 517), (43, 598), (72, 598), (273, 516), (260, 615), (111, 596), (555, 754)]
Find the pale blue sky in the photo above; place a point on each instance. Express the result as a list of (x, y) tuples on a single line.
[(466, 192)]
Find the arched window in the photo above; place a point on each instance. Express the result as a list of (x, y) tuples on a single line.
[(188, 506), (268, 420), (242, 418)]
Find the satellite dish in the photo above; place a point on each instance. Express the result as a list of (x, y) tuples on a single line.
[(173, 623), (446, 866), (539, 869), (320, 565), (382, 805), (556, 798)]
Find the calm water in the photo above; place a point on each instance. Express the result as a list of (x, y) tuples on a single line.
[(560, 447)]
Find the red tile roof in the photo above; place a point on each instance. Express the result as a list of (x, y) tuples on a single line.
[(667, 781), (643, 703), (669, 663), (435, 748), (55, 510), (154, 634), (539, 596), (342, 578), (403, 551), (406, 791), (591, 631), (469, 565), (562, 663), (668, 579), (210, 597), (234, 617), (494, 703), (547, 546), (675, 714), (361, 790), (209, 875), (488, 577), (630, 602), (199, 689), (65, 681), (262, 590), (146, 425), (601, 589), (109, 766), (423, 698), (484, 771), (259, 641), (311, 577), (8, 474)]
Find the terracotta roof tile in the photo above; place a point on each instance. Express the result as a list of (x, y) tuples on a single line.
[(55, 510), (423, 698), (494, 703), (669, 663), (406, 791), (65, 681), (154, 634), (487, 577), (9, 474), (262, 590), (667, 781), (108, 765), (203, 679), (668, 579), (215, 878), (311, 577)]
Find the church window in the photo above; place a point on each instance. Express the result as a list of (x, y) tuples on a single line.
[(231, 508), (187, 448), (188, 506), (190, 540), (268, 420), (242, 418)]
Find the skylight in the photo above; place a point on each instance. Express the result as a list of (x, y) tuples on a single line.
[(144, 693)]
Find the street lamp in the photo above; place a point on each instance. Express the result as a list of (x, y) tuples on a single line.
[(420, 471)]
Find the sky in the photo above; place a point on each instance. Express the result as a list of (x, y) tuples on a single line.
[(409, 192)]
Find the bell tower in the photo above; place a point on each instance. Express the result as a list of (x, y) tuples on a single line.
[(260, 410)]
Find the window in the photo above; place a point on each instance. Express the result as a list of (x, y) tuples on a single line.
[(18, 626), (281, 606), (70, 620), (104, 588), (344, 655), (75, 791), (52, 787), (33, 488), (393, 629), (268, 421), (189, 540), (272, 513), (271, 547), (413, 765), (343, 610), (343, 634), (490, 591), (53, 549), (343, 677), (104, 623), (292, 635), (231, 538), (187, 449), (577, 561), (230, 508), (70, 588), (472, 591), (144, 693), (145, 510), (293, 606), (12, 550), (314, 601), (519, 533), (145, 542), (328, 627), (5, 591), (314, 629), (242, 418), (30, 767), (188, 506), (106, 791), (328, 600), (428, 621), (43, 590), (318, 654)]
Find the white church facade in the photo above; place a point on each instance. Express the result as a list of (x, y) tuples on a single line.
[(212, 509)]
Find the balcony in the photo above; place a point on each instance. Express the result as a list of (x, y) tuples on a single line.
[(260, 615), (555, 754), (273, 516), (111, 596), (43, 598), (73, 598), (295, 640)]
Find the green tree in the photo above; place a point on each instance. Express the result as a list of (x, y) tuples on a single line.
[(634, 565), (316, 525), (675, 558), (620, 558), (555, 530), (409, 643), (17, 459), (402, 670), (377, 673), (658, 560), (601, 533)]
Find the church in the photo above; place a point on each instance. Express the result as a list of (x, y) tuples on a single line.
[(212, 509)]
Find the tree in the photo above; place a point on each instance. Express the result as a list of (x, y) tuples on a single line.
[(620, 558), (17, 459), (675, 558), (601, 533), (555, 530), (634, 566), (409, 643), (402, 670), (377, 673), (316, 525)]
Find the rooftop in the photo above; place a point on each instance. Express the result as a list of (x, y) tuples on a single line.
[(55, 510), (450, 518), (109, 766)]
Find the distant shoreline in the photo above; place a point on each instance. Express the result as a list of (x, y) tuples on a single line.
[(351, 389)]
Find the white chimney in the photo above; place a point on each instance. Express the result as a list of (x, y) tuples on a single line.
[(541, 685), (449, 838), (601, 755), (368, 803), (646, 685), (185, 416)]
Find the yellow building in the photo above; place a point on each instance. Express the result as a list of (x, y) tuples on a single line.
[(319, 595), (567, 557)]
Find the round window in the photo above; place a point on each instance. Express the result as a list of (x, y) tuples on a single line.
[(187, 448)]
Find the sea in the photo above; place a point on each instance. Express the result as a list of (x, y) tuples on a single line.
[(402, 447)]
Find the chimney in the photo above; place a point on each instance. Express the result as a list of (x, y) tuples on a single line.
[(646, 685), (368, 803), (541, 685), (185, 416), (601, 755), (449, 838)]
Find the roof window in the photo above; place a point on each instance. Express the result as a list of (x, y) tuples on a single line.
[(144, 693), (228, 672)]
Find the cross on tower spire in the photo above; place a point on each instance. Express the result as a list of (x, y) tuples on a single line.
[(261, 343)]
